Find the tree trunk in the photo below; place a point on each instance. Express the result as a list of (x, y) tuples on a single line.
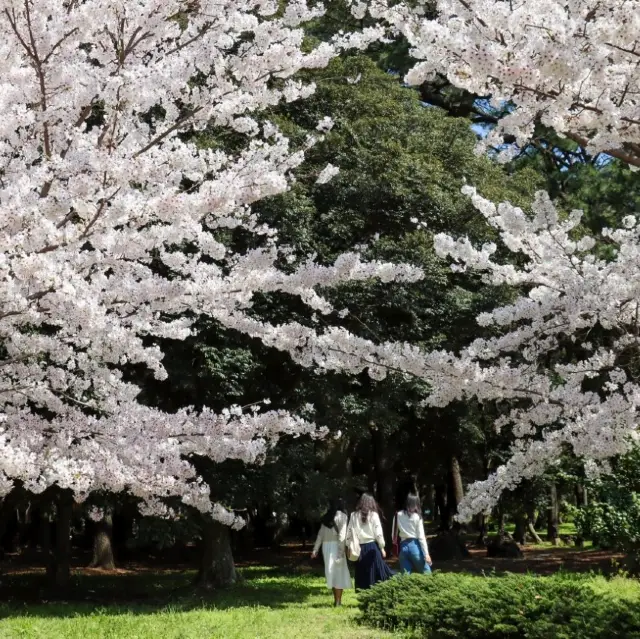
[(581, 502), (46, 546), (501, 524), (531, 529), (553, 533), (59, 569), (455, 492), (6, 513), (217, 569), (385, 479), (481, 525), (520, 533), (441, 506), (103, 543)]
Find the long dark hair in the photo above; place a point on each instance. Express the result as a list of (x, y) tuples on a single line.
[(366, 505), (328, 519), (412, 505)]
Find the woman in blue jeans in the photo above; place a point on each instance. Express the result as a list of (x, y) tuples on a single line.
[(408, 529)]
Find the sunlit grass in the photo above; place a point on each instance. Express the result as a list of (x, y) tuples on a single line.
[(268, 604)]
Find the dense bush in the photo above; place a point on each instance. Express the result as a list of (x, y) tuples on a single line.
[(612, 518), (614, 523), (522, 606)]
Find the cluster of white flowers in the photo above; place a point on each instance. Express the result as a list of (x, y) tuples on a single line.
[(570, 64), (99, 183), (327, 174)]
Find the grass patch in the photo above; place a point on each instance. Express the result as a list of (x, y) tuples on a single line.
[(567, 528), (268, 604)]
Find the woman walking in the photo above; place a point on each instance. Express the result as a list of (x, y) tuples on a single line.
[(408, 526), (365, 527), (331, 536)]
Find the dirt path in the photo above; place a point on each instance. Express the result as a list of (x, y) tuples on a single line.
[(295, 558)]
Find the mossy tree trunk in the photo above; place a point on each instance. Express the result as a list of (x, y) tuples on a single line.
[(553, 523), (217, 568), (103, 543)]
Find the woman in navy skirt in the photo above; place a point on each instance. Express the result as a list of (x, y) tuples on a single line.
[(366, 527)]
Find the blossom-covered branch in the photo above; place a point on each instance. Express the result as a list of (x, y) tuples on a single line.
[(571, 65)]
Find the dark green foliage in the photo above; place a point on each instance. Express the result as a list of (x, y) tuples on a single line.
[(522, 606), (613, 522), (612, 518), (158, 533)]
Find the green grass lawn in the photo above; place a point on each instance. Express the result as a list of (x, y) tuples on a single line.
[(268, 605), (271, 603), (567, 528)]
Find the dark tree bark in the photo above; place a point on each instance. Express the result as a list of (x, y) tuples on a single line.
[(457, 487), (455, 492), (581, 502), (481, 526), (7, 514), (103, 543), (217, 569), (441, 506), (46, 543), (59, 565), (501, 523), (553, 532), (520, 533), (385, 479)]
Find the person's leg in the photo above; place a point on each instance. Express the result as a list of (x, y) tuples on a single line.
[(337, 593), (362, 569), (404, 558), (421, 563), (415, 555)]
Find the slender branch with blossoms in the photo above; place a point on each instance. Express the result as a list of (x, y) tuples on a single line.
[(101, 185), (584, 398), (571, 65)]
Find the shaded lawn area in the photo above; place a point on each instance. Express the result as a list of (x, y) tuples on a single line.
[(270, 603)]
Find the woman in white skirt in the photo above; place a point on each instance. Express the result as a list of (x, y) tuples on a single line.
[(331, 537)]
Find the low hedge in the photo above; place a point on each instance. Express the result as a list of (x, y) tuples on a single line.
[(523, 606)]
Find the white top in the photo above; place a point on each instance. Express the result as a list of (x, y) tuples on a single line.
[(368, 531), (339, 533), (412, 527)]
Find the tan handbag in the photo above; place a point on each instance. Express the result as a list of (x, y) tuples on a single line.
[(352, 543)]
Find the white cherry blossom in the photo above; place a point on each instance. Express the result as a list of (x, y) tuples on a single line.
[(570, 64), (101, 185)]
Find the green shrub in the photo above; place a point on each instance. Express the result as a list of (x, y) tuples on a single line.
[(612, 518), (614, 523), (514, 606)]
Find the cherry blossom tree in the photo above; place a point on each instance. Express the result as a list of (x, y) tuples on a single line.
[(563, 358), (110, 219), (571, 65)]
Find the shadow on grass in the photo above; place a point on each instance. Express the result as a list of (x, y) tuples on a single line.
[(153, 592)]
